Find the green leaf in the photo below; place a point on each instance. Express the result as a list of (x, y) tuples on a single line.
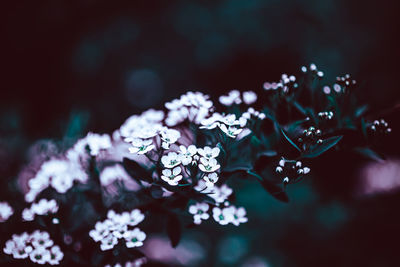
[(364, 128), (360, 110), (174, 229), (290, 140), (369, 153), (321, 148), (255, 141), (136, 171), (275, 190)]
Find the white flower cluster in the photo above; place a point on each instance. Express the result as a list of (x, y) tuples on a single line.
[(43, 207), (5, 211), (136, 263), (252, 112), (231, 126), (380, 126), (118, 226), (223, 213), (285, 84), (233, 97), (291, 170), (93, 142), (113, 173), (37, 246), (193, 106), (57, 173), (326, 115), (313, 69), (204, 157)]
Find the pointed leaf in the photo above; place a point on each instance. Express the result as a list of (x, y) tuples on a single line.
[(369, 153), (136, 171), (321, 148), (290, 140), (275, 190), (174, 229)]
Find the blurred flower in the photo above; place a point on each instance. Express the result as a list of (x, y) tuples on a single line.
[(211, 179), (43, 207), (199, 211), (5, 211)]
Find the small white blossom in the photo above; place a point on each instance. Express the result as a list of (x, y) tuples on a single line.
[(134, 238), (187, 154), (172, 177), (40, 255), (171, 160), (5, 211), (169, 136), (239, 215), (249, 97), (220, 194), (43, 207), (208, 165), (230, 131), (223, 216), (208, 152), (199, 211), (211, 179), (56, 255), (141, 146)]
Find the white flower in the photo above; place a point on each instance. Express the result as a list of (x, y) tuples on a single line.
[(102, 229), (239, 215), (208, 152), (249, 97), (141, 146), (230, 131), (223, 216), (108, 242), (135, 217), (97, 142), (56, 255), (211, 122), (171, 160), (134, 238), (172, 177), (40, 255), (113, 173), (232, 97), (211, 179), (220, 194), (41, 239), (43, 207), (199, 211), (210, 165), (169, 136), (230, 120), (187, 154), (5, 211), (28, 215)]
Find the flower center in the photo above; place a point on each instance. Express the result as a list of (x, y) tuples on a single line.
[(134, 240)]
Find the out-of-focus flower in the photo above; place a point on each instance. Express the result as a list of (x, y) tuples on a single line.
[(169, 136), (230, 131), (211, 179), (199, 211), (43, 207), (222, 216), (5, 211), (249, 97), (134, 238), (37, 246)]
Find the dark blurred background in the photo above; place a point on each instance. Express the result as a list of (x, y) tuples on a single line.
[(94, 63)]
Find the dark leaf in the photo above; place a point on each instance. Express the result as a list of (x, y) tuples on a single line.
[(361, 110), (275, 190), (369, 153), (156, 191), (290, 140), (255, 141), (136, 171), (174, 229), (321, 148)]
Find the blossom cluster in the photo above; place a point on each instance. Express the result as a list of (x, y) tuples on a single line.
[(223, 212), (37, 246), (43, 207), (119, 226), (291, 170), (234, 97)]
